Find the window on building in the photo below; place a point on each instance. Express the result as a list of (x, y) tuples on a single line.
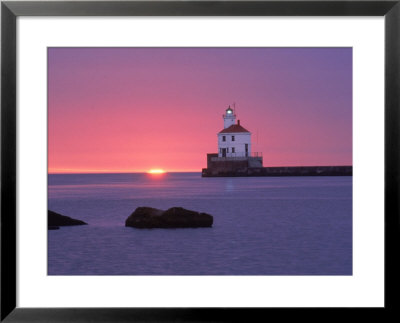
[(233, 138), (227, 150), (233, 149), (223, 138)]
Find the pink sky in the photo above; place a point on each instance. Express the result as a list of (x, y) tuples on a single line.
[(134, 109)]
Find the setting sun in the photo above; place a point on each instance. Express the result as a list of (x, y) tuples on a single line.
[(156, 171)]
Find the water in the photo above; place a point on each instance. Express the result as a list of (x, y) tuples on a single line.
[(262, 225)]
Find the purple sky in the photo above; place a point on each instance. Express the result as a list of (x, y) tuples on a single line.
[(133, 109)]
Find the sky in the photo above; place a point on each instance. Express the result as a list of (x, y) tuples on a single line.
[(136, 109)]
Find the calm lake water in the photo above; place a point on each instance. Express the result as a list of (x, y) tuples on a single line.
[(262, 225)]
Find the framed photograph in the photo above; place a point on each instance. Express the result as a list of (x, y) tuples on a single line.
[(198, 160)]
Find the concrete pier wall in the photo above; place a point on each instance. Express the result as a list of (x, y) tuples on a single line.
[(232, 171), (252, 166)]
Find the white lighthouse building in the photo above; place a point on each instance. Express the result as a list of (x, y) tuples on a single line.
[(234, 157), (233, 140)]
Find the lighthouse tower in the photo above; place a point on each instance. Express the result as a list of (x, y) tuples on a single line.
[(234, 157), (233, 140), (229, 117)]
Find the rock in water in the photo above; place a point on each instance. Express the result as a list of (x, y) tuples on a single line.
[(175, 217), (54, 220)]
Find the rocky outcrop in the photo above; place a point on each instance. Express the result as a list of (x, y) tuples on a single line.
[(55, 220), (175, 217)]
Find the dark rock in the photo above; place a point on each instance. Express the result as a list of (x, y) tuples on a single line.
[(54, 220), (53, 227), (175, 217)]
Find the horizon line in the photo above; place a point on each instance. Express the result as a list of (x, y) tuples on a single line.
[(118, 172), (86, 171)]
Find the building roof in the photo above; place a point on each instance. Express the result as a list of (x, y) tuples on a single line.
[(234, 128)]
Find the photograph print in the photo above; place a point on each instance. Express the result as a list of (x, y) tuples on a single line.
[(200, 161)]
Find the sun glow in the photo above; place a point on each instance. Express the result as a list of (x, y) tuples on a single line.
[(156, 171)]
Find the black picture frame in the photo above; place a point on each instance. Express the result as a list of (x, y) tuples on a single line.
[(11, 10)]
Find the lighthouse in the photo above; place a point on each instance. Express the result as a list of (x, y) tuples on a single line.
[(233, 140), (234, 157)]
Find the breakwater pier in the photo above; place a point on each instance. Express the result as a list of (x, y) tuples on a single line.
[(281, 171), (236, 167)]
